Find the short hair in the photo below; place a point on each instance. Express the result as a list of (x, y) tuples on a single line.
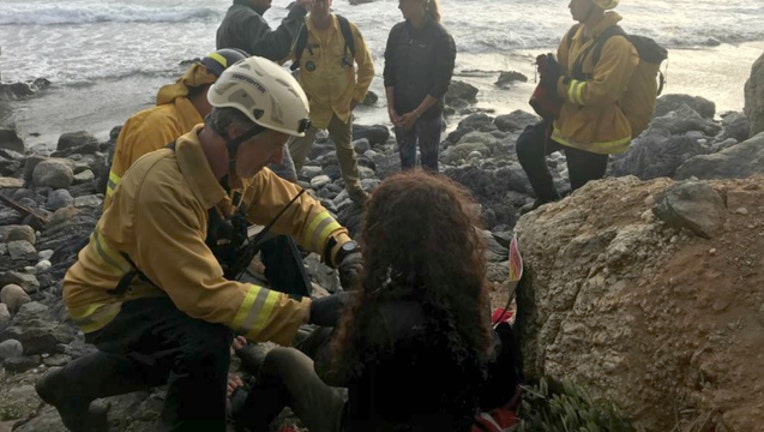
[(220, 118)]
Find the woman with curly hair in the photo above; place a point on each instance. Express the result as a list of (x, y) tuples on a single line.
[(412, 346)]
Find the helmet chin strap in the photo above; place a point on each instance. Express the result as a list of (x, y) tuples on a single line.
[(233, 147)]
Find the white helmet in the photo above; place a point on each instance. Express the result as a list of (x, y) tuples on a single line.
[(266, 93)]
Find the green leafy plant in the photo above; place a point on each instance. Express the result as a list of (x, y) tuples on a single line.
[(552, 406)]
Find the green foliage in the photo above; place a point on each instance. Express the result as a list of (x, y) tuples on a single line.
[(565, 407)]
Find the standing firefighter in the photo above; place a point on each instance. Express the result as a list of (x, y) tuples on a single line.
[(148, 291), (591, 123)]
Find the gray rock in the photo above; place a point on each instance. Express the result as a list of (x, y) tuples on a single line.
[(21, 402), (45, 254), (754, 98), (5, 315), (28, 282), (59, 198), (10, 139), (21, 364), (516, 120), (13, 296), (692, 205), (19, 249), (54, 173), (84, 176), (656, 153), (370, 99), (672, 102), (376, 134), (11, 348), (739, 161), (95, 200), (36, 331), (310, 171), (30, 164), (10, 233), (42, 266), (684, 119), (362, 145), (461, 91), (3, 249), (736, 126), (506, 79), (320, 181), (71, 140)]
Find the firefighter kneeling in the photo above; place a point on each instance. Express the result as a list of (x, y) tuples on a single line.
[(148, 292)]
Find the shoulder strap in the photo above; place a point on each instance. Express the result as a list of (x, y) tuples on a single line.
[(347, 34), (569, 35), (596, 50), (600, 42)]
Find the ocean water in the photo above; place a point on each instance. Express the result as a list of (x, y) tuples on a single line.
[(106, 58)]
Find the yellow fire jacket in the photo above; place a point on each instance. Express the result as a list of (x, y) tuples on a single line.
[(159, 217), (590, 118), (154, 128), (330, 82)]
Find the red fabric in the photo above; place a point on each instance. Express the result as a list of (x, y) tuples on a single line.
[(501, 315)]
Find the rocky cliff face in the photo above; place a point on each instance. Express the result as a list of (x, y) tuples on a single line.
[(652, 294)]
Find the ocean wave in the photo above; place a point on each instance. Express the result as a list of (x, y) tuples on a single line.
[(89, 13)]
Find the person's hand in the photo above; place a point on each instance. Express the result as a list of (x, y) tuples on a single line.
[(408, 120), (234, 382), (395, 119), (551, 74), (307, 4), (350, 269), (325, 311), (239, 342)]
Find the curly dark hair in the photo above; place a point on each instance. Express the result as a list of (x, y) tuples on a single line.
[(420, 242)]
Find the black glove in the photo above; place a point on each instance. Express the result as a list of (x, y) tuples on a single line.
[(350, 268), (550, 74), (325, 311)]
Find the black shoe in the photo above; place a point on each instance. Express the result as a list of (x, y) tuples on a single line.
[(538, 202), (77, 415)]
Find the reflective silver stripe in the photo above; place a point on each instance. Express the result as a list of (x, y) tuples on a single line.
[(314, 242), (254, 311)]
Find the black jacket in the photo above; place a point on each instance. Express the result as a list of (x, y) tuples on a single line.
[(410, 380), (245, 29), (419, 62)]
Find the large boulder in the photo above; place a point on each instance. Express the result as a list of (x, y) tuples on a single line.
[(738, 161), (82, 141), (754, 97), (516, 120), (55, 173), (672, 102), (461, 93), (665, 323)]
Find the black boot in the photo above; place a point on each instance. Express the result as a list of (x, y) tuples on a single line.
[(71, 389)]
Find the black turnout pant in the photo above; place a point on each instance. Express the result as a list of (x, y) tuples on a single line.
[(534, 144), (152, 343)]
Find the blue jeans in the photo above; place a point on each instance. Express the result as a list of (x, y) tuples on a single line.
[(427, 133)]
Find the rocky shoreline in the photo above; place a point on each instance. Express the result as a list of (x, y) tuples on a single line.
[(50, 203)]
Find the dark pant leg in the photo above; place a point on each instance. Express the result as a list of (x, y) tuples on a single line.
[(406, 140), (584, 166), (428, 132), (532, 147), (192, 355)]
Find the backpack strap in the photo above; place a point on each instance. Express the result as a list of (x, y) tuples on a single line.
[(301, 42), (569, 35), (596, 50)]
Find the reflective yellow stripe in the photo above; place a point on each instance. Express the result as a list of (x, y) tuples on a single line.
[(255, 310), (604, 147), (114, 180), (316, 233), (580, 93), (108, 255), (218, 58), (94, 317), (575, 91)]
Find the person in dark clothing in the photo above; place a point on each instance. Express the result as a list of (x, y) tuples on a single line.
[(244, 27), (419, 63), (411, 350)]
